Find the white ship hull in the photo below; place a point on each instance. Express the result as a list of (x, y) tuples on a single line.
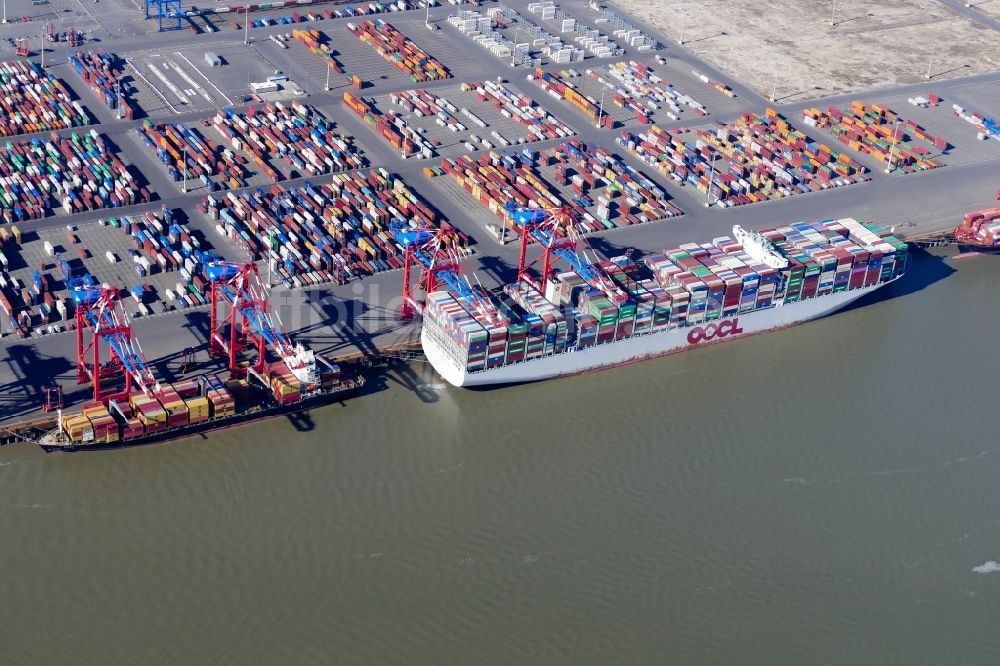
[(641, 347)]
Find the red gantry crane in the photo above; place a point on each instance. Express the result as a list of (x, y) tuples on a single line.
[(238, 287), (98, 313), (557, 231), (436, 253)]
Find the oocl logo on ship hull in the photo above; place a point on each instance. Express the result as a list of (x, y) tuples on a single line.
[(712, 331)]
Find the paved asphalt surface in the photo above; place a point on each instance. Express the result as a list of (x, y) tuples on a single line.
[(362, 315)]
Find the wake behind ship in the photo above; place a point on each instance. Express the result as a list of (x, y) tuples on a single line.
[(621, 312)]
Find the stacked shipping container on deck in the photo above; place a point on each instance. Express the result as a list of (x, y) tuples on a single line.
[(220, 399), (687, 286), (176, 405), (285, 386)]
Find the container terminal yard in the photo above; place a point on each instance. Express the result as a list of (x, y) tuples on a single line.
[(288, 138)]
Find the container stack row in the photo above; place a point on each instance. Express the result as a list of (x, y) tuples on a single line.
[(285, 386), (495, 179), (181, 147), (621, 194), (409, 138), (319, 44), (32, 100), (328, 232), (618, 195), (78, 173), (161, 243), (718, 85), (540, 124), (220, 398), (389, 126), (561, 88), (640, 91), (757, 158), (102, 72), (34, 304), (422, 104), (680, 287), (395, 48), (301, 136), (311, 15), (876, 130)]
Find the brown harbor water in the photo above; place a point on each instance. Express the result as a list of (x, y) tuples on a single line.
[(820, 495)]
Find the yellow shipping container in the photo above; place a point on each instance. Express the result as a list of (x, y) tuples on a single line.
[(197, 406)]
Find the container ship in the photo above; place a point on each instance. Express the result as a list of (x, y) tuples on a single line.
[(980, 230), (601, 315), (282, 379), (194, 406)]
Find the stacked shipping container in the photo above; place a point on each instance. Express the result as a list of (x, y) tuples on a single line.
[(633, 86), (762, 158), (302, 136), (34, 304), (561, 88), (876, 130), (175, 405), (400, 51), (78, 173), (181, 147), (313, 15), (323, 233), (540, 124), (162, 243), (623, 195), (980, 227), (284, 385), (319, 44), (102, 72), (641, 91), (220, 399), (32, 100), (390, 126)]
